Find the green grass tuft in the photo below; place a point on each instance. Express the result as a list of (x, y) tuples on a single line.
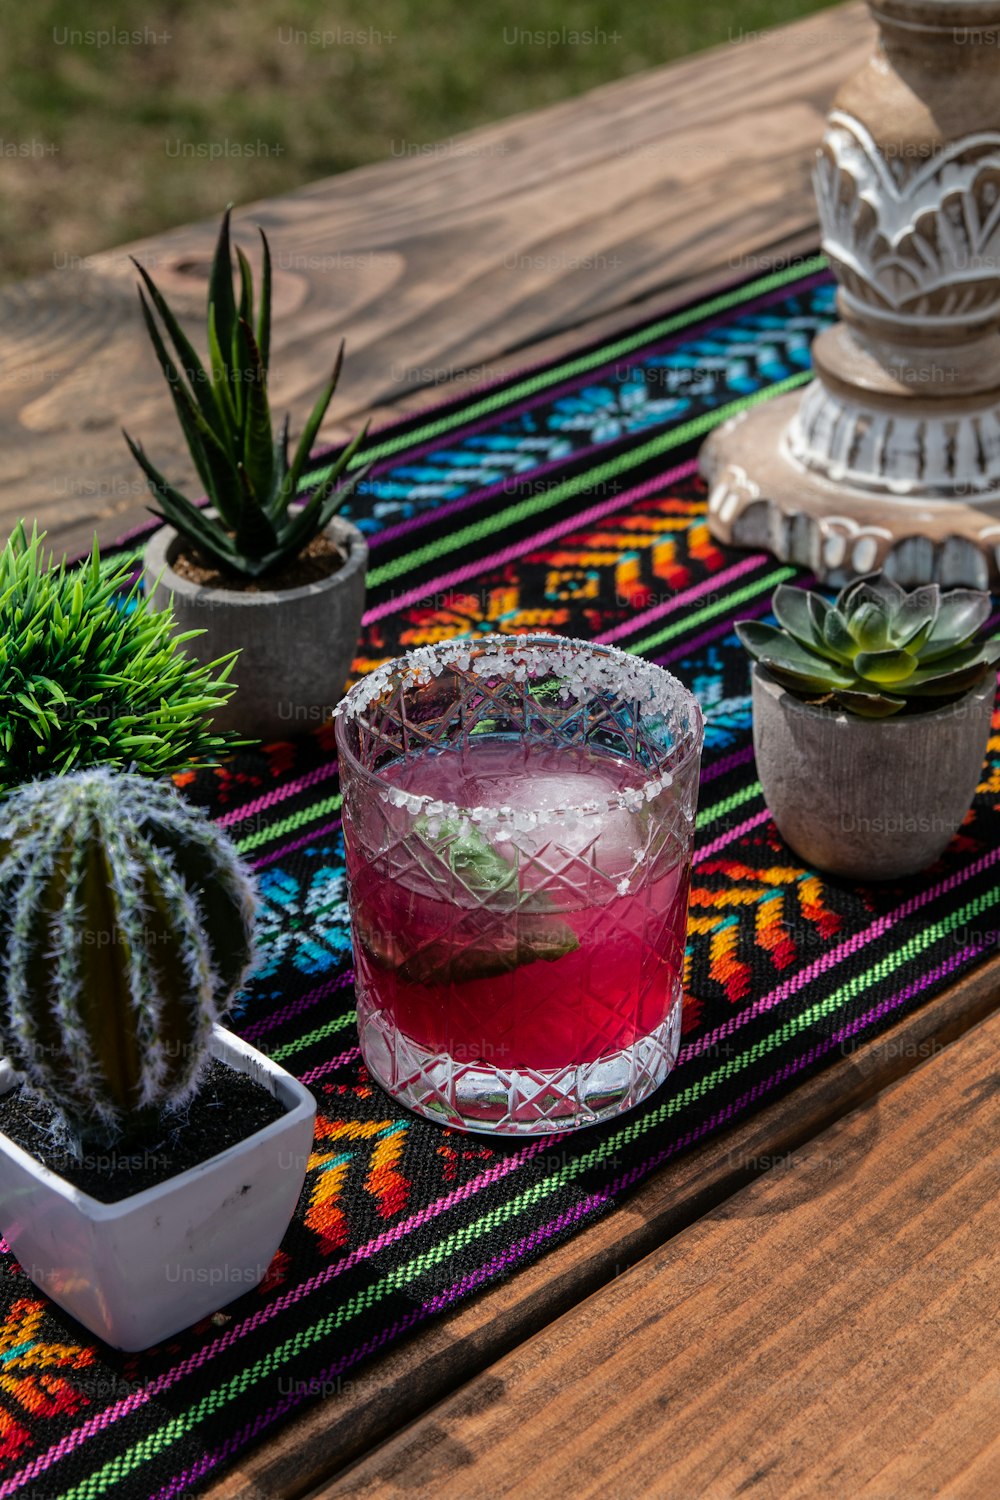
[(92, 676)]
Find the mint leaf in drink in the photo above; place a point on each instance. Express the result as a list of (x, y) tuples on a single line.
[(471, 857), (513, 927), (495, 952)]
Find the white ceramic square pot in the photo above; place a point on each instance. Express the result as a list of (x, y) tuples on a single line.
[(138, 1271)]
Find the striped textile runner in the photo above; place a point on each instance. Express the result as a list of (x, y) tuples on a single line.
[(564, 498)]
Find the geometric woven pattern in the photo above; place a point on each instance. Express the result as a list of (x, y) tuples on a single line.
[(564, 499)]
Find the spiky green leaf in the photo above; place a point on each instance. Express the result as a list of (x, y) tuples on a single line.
[(255, 535), (308, 435), (258, 440), (198, 377), (264, 312), (221, 300), (225, 416)]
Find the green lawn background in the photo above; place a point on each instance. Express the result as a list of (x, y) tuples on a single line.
[(93, 132)]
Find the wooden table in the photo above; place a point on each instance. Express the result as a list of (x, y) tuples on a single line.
[(803, 1305)]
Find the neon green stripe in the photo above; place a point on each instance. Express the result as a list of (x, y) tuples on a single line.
[(488, 525), (708, 612), (511, 394), (719, 810), (151, 1446), (291, 824), (318, 1035)]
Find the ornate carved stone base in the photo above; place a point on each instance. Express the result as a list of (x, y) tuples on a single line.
[(762, 496), (891, 457)]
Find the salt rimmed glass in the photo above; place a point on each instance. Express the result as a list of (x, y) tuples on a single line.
[(518, 820)]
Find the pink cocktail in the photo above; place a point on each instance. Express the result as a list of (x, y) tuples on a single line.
[(518, 816)]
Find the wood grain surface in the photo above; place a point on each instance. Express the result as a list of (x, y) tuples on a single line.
[(831, 1330), (385, 1394), (445, 261)]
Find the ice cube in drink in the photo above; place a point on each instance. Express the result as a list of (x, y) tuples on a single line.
[(542, 938)]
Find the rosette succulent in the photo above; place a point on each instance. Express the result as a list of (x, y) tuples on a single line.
[(225, 414), (878, 649)]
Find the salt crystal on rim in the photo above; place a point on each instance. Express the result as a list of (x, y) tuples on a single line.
[(586, 670)]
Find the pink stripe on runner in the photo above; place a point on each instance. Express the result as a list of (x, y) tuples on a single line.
[(329, 1067), (687, 596), (727, 763), (722, 626), (279, 794), (295, 1007), (729, 837), (540, 539)]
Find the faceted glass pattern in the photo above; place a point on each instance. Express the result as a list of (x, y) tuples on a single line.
[(518, 816)]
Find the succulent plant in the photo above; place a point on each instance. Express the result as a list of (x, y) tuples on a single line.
[(225, 414), (878, 650), (91, 674), (126, 923)]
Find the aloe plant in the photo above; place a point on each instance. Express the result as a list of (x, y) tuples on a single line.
[(127, 922), (225, 415), (878, 649), (91, 674)]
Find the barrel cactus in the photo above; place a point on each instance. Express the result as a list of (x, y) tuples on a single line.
[(878, 649), (126, 924)]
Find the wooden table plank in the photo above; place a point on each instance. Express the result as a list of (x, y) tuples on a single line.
[(452, 260), (830, 1330), (384, 1395)]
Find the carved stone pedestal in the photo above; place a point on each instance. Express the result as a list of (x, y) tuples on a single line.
[(891, 456)]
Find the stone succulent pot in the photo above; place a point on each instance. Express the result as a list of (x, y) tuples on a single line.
[(870, 799), (296, 645)]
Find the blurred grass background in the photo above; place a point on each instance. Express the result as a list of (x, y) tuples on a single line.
[(93, 131)]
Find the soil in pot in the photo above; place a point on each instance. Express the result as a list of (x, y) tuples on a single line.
[(229, 1107), (320, 559)]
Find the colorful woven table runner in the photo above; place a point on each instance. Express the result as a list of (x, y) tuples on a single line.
[(563, 499)]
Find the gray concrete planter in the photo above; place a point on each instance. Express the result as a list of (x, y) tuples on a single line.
[(871, 799), (296, 645)]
